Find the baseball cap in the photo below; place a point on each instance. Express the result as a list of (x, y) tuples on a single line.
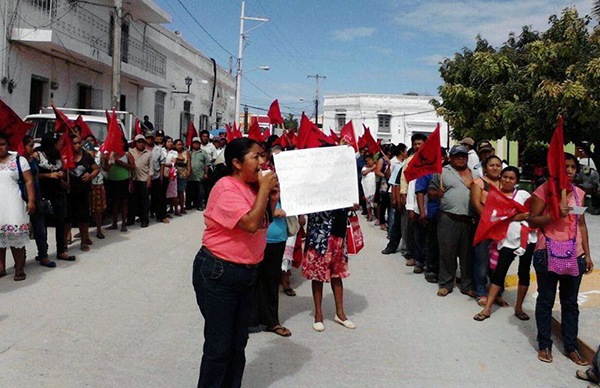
[(459, 149), (149, 134), (160, 132), (196, 139), (468, 141), (484, 145), (139, 137)]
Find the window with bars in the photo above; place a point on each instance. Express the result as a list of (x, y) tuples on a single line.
[(159, 110), (384, 123), (204, 123), (340, 121)]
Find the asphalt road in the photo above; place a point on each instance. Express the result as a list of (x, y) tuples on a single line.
[(125, 316)]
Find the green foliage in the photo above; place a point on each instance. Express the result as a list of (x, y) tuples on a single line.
[(290, 122), (519, 89)]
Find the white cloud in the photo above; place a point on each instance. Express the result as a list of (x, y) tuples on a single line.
[(349, 34), (464, 19)]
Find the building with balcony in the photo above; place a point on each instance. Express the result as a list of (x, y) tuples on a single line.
[(390, 117), (61, 51)]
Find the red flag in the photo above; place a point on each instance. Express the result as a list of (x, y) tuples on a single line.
[(310, 136), (557, 172), (255, 133), (12, 125), (229, 134), (370, 142), (282, 141), (292, 138), (496, 216), (333, 136), (63, 124), (237, 134), (428, 159), (114, 137), (84, 129), (275, 113), (192, 133), (267, 133), (347, 134), (138, 127), (66, 151)]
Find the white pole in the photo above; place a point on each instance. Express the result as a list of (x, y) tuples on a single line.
[(116, 55), (238, 85)]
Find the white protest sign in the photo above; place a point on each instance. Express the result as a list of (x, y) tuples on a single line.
[(317, 179)]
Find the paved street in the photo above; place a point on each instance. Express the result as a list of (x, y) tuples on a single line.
[(125, 316)]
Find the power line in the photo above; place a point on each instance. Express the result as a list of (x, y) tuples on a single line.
[(205, 30), (265, 93)]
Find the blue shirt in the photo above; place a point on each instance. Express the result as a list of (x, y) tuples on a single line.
[(277, 231), (433, 205)]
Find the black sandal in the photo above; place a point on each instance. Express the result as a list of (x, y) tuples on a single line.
[(481, 317), (522, 316), (279, 330), (289, 292)]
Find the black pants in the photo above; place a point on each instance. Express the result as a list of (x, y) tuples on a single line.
[(433, 249), (569, 309), (361, 197), (384, 206), (505, 259), (194, 195), (139, 203), (58, 219), (265, 308), (159, 198), (454, 238), (395, 232), (206, 188), (224, 294)]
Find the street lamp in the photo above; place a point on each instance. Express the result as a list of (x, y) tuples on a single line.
[(188, 83)]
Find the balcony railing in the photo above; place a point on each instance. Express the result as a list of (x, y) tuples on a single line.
[(71, 19)]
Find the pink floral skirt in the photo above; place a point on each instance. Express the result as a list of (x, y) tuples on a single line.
[(334, 264), (172, 188)]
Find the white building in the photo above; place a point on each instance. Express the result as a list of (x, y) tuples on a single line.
[(60, 50), (390, 117)]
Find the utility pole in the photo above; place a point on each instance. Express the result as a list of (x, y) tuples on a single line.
[(238, 86), (246, 119), (116, 55), (317, 77)]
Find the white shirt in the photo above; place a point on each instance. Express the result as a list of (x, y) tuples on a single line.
[(473, 159), (211, 150), (394, 176), (411, 197), (513, 235)]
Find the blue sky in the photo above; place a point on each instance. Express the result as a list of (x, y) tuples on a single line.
[(362, 46)]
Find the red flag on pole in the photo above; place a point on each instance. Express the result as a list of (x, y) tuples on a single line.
[(12, 125), (255, 133), (347, 134), (229, 134), (237, 134), (428, 159), (267, 133), (496, 216), (66, 151), (84, 129), (370, 142), (138, 127), (557, 172), (275, 113), (114, 138), (333, 136), (282, 141), (63, 124), (310, 136), (192, 133)]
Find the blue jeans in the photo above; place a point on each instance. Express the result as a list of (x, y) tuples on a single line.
[(433, 249), (224, 293), (38, 223), (481, 263), (569, 309), (390, 220), (395, 230)]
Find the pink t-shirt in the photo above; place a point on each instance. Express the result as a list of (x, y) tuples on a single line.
[(229, 200), (562, 229)]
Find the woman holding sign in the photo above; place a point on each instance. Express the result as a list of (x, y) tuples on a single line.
[(237, 216), (326, 260), (562, 255)]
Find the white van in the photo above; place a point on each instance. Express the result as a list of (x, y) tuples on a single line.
[(46, 122)]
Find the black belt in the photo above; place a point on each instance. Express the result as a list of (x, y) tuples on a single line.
[(207, 252), (458, 217)]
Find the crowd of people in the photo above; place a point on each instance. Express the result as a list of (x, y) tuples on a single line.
[(250, 244), (154, 177), (432, 222)]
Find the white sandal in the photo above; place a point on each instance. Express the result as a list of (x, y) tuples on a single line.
[(347, 323), (319, 326)]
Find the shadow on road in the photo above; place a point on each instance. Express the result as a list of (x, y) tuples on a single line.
[(282, 358), (353, 303)]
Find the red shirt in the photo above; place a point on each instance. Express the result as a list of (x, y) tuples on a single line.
[(229, 200)]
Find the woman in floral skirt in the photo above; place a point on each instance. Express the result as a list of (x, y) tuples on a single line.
[(14, 211), (326, 260)]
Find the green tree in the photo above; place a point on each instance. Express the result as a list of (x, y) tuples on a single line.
[(519, 89), (290, 122)]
